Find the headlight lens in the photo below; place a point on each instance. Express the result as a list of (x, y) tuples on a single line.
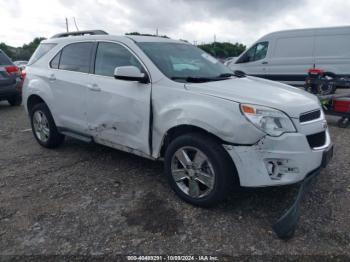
[(271, 121)]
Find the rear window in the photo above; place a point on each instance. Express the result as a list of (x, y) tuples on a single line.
[(40, 52), (4, 59)]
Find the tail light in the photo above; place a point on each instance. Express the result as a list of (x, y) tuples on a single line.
[(315, 71), (13, 70), (23, 75), (341, 105)]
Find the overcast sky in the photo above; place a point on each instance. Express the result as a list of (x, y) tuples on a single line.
[(195, 20)]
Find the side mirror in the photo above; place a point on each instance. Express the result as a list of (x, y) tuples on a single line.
[(130, 73)]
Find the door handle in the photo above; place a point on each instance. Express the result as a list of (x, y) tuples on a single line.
[(52, 78), (264, 63), (94, 87)]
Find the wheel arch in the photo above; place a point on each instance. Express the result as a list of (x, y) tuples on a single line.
[(183, 129), (33, 100)]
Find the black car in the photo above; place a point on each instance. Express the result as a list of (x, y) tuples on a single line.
[(10, 81)]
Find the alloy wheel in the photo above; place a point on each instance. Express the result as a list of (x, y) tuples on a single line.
[(193, 172), (41, 126)]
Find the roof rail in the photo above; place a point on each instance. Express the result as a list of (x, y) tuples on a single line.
[(80, 33)]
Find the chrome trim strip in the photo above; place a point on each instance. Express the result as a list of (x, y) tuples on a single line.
[(327, 143)]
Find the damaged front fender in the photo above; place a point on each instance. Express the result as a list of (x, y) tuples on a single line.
[(217, 116)]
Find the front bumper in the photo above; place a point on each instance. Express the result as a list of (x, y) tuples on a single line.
[(290, 153), (285, 226)]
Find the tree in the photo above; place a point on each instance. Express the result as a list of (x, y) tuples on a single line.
[(24, 52), (7, 49), (223, 50)]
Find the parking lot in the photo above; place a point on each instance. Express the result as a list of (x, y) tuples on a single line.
[(89, 199)]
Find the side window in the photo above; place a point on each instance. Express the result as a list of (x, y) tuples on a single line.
[(255, 53), (261, 51), (55, 61), (248, 56), (111, 55), (76, 57)]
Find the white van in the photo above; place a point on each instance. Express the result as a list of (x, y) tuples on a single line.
[(286, 56)]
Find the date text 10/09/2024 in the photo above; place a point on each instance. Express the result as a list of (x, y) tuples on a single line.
[(172, 258)]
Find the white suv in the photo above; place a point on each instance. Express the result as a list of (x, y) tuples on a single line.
[(166, 99)]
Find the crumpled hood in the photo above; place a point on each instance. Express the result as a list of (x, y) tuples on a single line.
[(253, 90)]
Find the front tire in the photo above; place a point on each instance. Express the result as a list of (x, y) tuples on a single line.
[(44, 128), (199, 170)]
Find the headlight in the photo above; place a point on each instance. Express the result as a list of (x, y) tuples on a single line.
[(271, 121)]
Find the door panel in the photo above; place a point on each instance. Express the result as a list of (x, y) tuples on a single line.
[(69, 91), (253, 68), (290, 66), (119, 113), (289, 70), (332, 52), (68, 80), (291, 59), (118, 110)]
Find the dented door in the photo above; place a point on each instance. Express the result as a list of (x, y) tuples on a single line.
[(118, 111)]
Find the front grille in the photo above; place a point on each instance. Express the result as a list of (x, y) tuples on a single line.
[(317, 140), (309, 116)]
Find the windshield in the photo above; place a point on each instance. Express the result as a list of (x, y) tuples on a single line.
[(185, 62)]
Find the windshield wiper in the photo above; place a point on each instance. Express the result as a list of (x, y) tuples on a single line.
[(239, 74), (226, 75), (192, 79)]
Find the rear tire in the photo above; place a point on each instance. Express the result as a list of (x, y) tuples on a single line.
[(44, 127), (15, 100), (216, 169)]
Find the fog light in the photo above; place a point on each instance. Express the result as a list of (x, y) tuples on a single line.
[(276, 168)]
